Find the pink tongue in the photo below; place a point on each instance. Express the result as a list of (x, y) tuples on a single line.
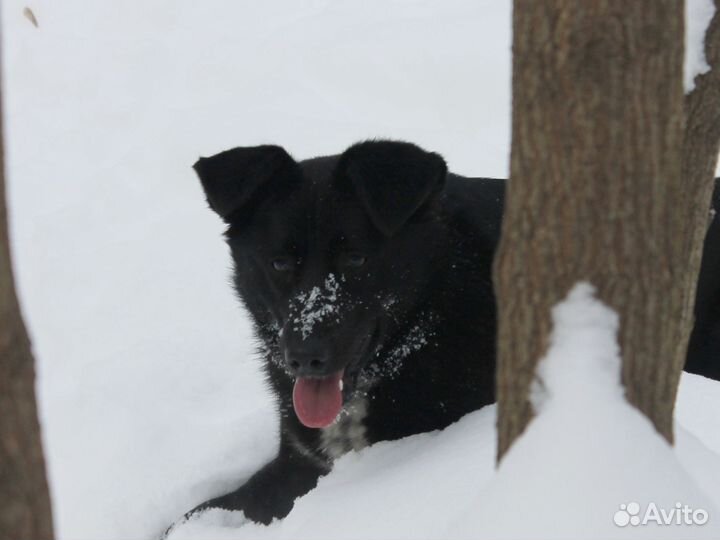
[(317, 402)]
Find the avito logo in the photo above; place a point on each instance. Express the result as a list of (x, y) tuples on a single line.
[(681, 514)]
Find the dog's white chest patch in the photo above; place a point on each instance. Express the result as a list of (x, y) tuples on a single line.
[(348, 431)]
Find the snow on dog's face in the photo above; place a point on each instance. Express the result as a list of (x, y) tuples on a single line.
[(316, 247)]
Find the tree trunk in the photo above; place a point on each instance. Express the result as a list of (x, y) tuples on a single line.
[(606, 187), (701, 144), (24, 500)]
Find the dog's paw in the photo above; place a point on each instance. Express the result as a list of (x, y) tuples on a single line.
[(204, 523)]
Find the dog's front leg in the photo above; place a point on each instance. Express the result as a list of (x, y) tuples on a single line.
[(271, 492)]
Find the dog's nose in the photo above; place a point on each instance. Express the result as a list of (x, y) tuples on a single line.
[(307, 363)]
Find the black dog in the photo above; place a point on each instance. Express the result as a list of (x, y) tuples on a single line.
[(368, 279)]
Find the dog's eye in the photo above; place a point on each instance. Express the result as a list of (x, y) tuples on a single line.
[(354, 259), (283, 264)]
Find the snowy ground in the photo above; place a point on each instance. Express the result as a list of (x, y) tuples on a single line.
[(150, 397)]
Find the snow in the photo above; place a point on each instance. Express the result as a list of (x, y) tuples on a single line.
[(588, 450), (310, 308), (416, 338), (397, 489), (151, 397), (698, 14)]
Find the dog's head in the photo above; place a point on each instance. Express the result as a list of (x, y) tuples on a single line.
[(332, 255)]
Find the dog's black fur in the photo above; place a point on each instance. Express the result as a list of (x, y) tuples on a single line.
[(703, 355), (398, 252)]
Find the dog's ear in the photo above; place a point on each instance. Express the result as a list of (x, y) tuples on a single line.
[(392, 179), (234, 178)]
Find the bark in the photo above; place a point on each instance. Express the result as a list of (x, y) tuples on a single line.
[(606, 186), (701, 144), (24, 500)]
